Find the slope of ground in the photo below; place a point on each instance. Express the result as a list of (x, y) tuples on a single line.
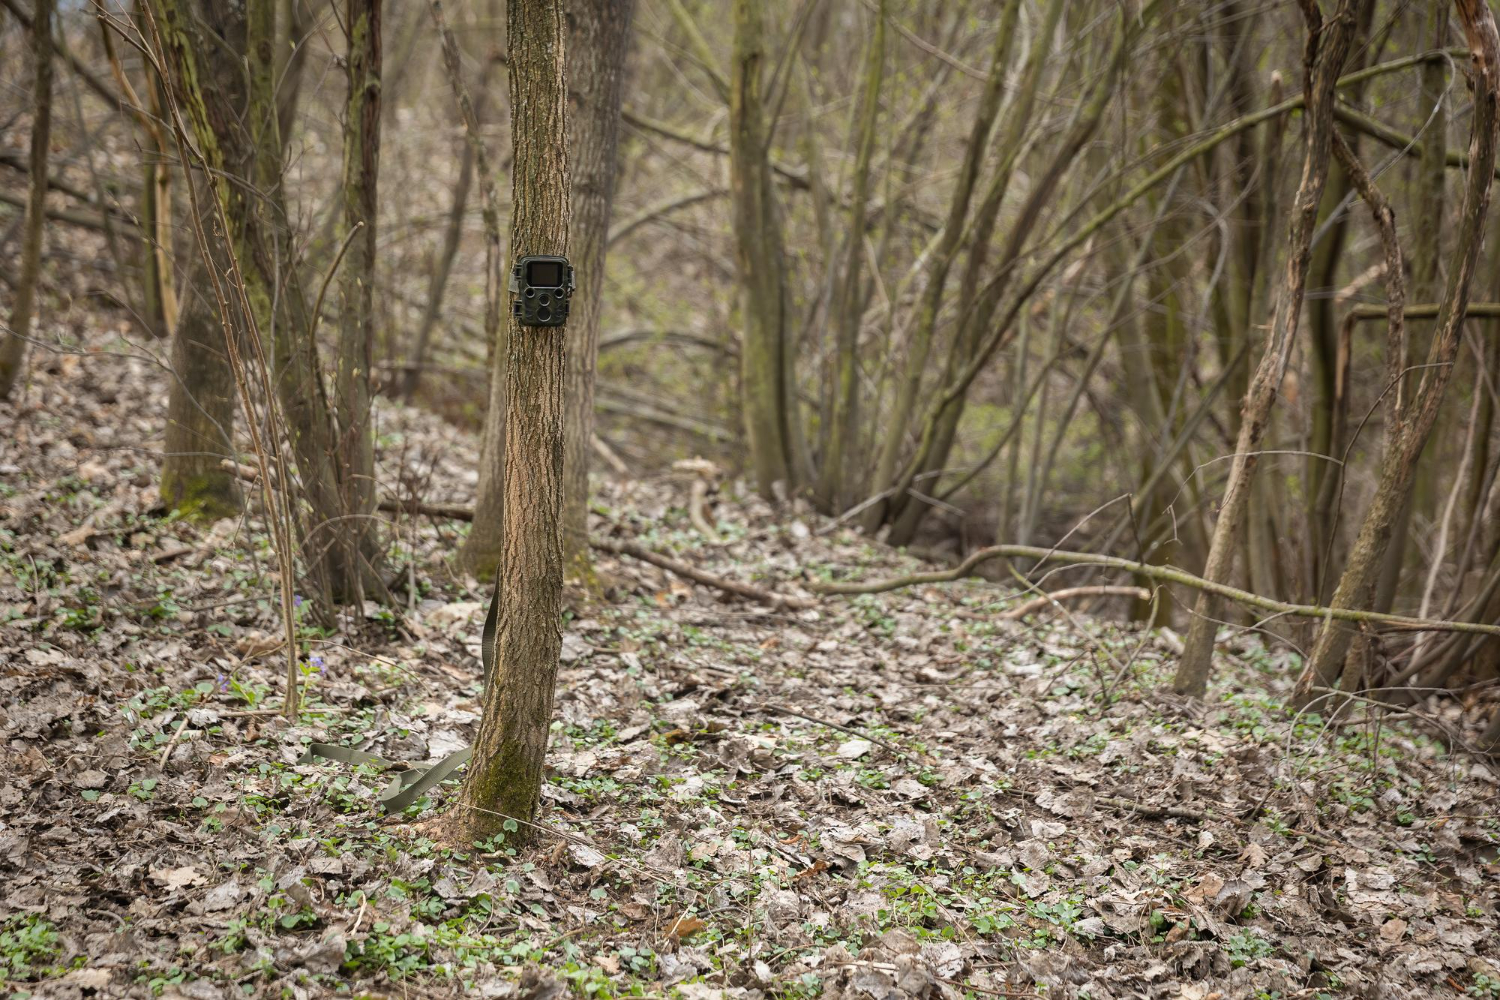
[(890, 796)]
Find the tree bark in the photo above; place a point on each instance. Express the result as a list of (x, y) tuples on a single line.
[(504, 778), (356, 344), (1411, 422), (768, 400), (1328, 46), (13, 342), (482, 549), (200, 415), (598, 41), (836, 477), (232, 110)]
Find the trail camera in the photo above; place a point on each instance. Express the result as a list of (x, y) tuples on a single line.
[(541, 286)]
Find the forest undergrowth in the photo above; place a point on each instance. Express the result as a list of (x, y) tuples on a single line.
[(895, 795)]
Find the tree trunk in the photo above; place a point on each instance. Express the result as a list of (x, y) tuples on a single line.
[(940, 262), (1327, 47), (231, 108), (200, 414), (481, 551), (1410, 423), (504, 778), (356, 433), (598, 41), (473, 161), (836, 477), (768, 399), (13, 342), (1426, 285)]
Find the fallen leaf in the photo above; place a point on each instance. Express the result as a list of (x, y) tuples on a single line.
[(854, 749), (685, 926)]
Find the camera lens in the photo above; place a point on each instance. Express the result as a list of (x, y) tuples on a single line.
[(545, 299), (530, 293), (544, 315)]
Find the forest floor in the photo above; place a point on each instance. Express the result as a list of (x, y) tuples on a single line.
[(888, 796)]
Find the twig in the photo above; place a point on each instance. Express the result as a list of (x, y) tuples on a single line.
[(1047, 600), (166, 754), (783, 710)]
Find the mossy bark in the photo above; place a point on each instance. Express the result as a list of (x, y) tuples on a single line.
[(504, 779), (232, 109), (200, 418), (838, 478)]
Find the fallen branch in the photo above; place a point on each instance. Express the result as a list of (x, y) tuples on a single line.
[(1047, 600), (682, 569), (1166, 574)]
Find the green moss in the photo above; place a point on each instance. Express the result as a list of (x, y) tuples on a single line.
[(205, 496), (579, 573)]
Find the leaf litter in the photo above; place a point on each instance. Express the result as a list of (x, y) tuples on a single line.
[(892, 796)]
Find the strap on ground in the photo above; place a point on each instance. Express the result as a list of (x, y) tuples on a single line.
[(409, 785)]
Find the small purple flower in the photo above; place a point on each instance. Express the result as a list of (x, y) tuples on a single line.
[(317, 661), (296, 600), (223, 683)]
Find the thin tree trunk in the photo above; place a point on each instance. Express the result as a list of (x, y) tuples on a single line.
[(201, 406), (837, 476), (940, 261), (977, 318), (772, 414), (597, 45), (361, 169), (443, 267), (13, 341), (1411, 423), (232, 111), (1327, 47), (1427, 250), (482, 549), (504, 778)]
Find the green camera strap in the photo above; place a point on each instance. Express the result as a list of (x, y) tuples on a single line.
[(410, 784)]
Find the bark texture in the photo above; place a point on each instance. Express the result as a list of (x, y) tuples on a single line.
[(200, 415), (13, 341), (599, 38), (505, 776), (837, 478)]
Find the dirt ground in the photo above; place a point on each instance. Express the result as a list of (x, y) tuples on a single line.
[(893, 796)]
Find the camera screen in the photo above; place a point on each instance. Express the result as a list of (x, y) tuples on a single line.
[(544, 273)]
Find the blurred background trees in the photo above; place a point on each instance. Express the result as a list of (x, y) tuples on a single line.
[(954, 273)]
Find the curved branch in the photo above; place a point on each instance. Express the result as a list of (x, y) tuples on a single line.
[(1166, 574)]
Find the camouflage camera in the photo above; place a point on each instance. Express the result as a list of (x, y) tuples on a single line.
[(541, 286)]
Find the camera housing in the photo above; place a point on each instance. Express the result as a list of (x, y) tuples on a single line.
[(542, 285)]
